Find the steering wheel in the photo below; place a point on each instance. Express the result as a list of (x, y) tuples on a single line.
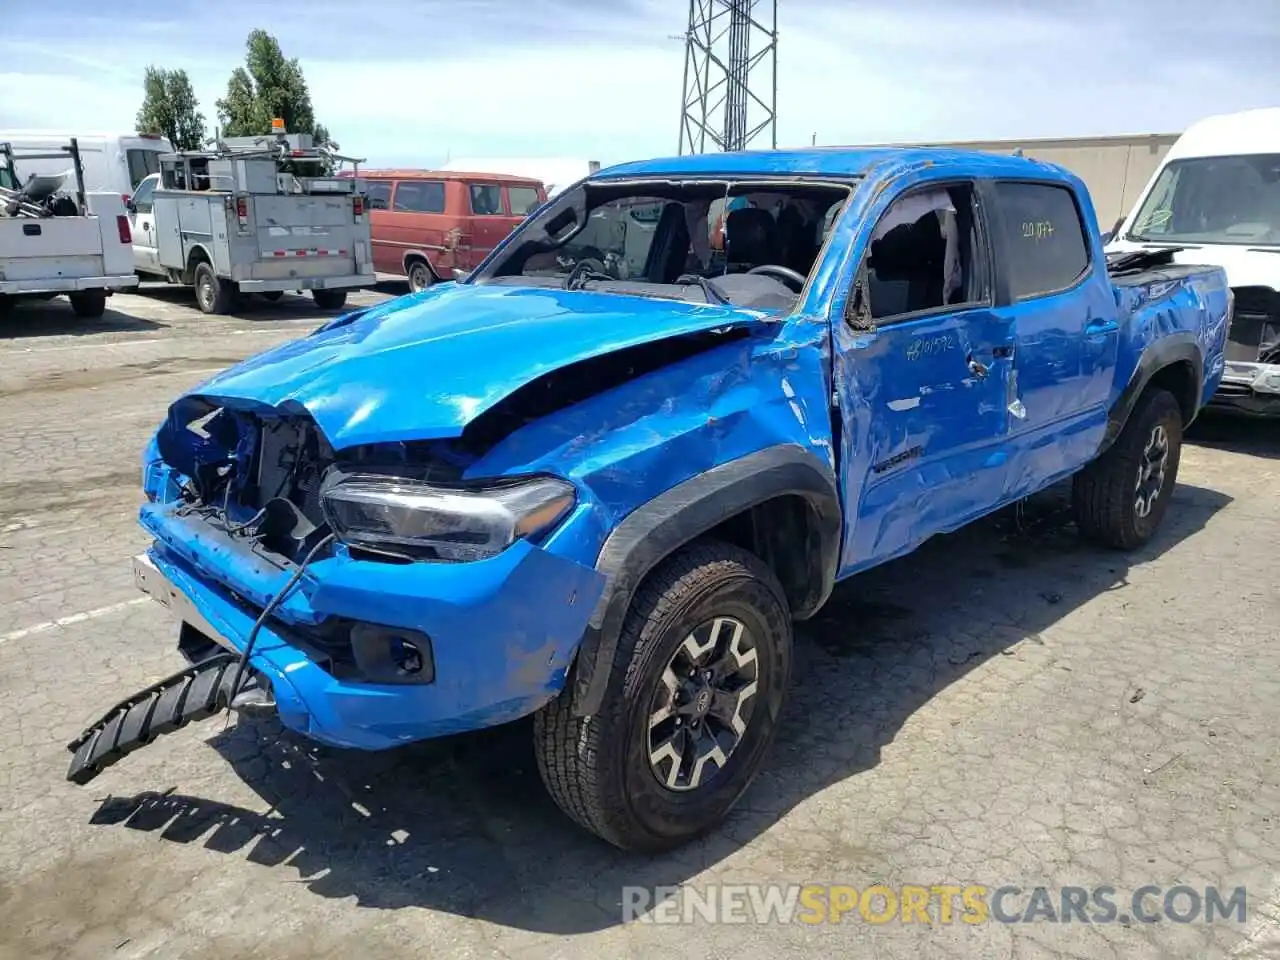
[(587, 268), (793, 278)]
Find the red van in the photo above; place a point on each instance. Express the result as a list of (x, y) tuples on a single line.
[(425, 222)]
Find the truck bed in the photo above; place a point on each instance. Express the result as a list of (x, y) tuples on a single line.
[(64, 254)]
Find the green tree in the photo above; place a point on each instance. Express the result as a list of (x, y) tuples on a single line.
[(267, 86), (169, 107)]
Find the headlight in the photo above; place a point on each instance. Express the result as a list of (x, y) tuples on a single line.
[(399, 516)]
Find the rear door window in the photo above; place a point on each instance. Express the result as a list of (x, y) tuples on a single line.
[(379, 194), (524, 200), (142, 163), (486, 200), (1044, 238), (419, 196)]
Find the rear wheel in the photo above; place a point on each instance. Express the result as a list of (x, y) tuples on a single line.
[(420, 275), (329, 299), (213, 295), (1120, 498), (691, 708), (89, 304)]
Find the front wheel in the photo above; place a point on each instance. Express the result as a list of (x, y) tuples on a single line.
[(420, 276), (691, 706), (329, 299), (1120, 498)]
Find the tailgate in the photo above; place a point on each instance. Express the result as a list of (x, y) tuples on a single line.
[(50, 247), (316, 225)]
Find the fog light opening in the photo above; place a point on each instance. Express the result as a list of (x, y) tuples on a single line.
[(406, 657)]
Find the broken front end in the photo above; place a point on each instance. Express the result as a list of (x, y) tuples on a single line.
[(369, 596), (1251, 379)]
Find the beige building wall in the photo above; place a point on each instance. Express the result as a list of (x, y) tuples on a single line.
[(1115, 169)]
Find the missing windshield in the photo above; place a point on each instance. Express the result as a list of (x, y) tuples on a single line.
[(741, 242)]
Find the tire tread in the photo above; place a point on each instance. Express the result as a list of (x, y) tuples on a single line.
[(1102, 493), (569, 749)]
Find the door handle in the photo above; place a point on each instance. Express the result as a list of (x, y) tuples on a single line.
[(1098, 328), (979, 369)]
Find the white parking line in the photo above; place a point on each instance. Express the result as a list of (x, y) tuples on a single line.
[(108, 345), (73, 618), (286, 326)]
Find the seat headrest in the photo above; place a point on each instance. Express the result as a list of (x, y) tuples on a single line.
[(909, 249), (750, 236)]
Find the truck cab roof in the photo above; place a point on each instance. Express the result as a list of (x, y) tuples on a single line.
[(836, 162)]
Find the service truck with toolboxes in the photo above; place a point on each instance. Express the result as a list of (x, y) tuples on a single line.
[(262, 215), (56, 237)]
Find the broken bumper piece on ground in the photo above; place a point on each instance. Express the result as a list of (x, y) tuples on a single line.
[(192, 694)]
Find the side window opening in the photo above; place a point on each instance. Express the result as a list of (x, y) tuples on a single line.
[(926, 254), (1044, 236), (142, 198), (378, 193), (486, 200), (141, 164), (524, 200), (419, 196)]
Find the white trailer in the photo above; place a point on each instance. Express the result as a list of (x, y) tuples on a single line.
[(59, 239)]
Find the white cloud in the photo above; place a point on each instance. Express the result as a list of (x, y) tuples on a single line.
[(428, 78)]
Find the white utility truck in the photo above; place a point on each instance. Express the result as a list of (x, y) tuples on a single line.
[(254, 215), (56, 237)]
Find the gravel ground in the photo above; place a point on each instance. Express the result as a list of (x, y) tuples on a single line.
[(1005, 707)]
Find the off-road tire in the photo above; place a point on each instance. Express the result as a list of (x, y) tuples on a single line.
[(329, 299), (598, 769), (88, 304), (1105, 493), (420, 276), (213, 295)]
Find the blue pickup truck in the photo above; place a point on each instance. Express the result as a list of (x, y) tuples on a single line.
[(598, 483)]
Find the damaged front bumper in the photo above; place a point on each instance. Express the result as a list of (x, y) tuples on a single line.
[(1250, 388), (491, 641), (498, 637)]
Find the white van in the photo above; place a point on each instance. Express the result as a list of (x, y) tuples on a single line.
[(113, 162), (1216, 194)]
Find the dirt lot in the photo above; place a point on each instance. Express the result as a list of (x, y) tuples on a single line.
[(1005, 707)]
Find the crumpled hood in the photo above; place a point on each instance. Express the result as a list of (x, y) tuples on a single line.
[(423, 366)]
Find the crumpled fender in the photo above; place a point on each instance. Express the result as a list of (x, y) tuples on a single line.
[(667, 456)]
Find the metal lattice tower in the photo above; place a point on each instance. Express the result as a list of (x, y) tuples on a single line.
[(729, 46)]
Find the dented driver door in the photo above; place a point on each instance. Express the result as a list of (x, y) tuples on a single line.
[(924, 381)]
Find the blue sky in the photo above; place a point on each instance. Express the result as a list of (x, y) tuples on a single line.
[(413, 81)]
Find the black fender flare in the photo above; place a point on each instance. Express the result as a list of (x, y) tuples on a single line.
[(658, 528), (1165, 352)]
